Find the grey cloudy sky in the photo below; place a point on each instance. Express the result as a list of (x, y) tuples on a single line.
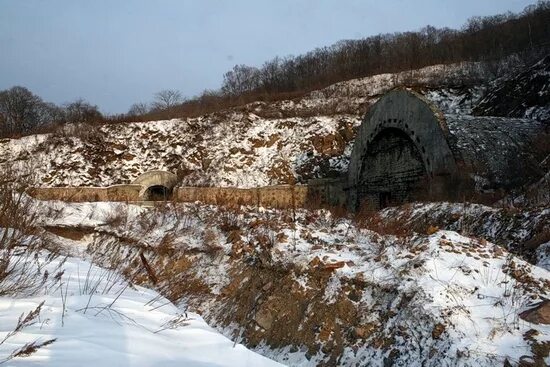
[(117, 52)]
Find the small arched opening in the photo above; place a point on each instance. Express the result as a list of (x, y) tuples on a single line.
[(156, 185), (157, 193), (392, 170)]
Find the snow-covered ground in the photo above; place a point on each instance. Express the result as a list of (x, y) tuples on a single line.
[(263, 143), (445, 298), (321, 289), (98, 319)]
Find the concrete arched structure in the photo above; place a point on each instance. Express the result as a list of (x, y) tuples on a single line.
[(416, 135), (407, 149), (156, 185)]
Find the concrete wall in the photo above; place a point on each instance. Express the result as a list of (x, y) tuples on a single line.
[(313, 195), (216, 195), (281, 196), (82, 194), (327, 191), (150, 179)]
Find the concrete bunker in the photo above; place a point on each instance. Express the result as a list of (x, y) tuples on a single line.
[(156, 185), (406, 149), (391, 168)]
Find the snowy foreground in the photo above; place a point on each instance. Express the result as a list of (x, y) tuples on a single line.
[(427, 299), (106, 322)]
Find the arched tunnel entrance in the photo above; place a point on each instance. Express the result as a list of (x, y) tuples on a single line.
[(391, 171), (156, 185), (157, 193), (400, 153)]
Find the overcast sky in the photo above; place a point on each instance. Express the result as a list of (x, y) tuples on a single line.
[(117, 52)]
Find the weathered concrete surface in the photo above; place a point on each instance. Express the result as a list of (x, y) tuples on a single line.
[(281, 196), (216, 195), (137, 191), (327, 191), (91, 194), (501, 152), (406, 149), (402, 141), (156, 179)]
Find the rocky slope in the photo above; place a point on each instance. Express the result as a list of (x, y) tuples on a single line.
[(254, 145), (307, 288), (264, 143), (420, 285), (526, 94)]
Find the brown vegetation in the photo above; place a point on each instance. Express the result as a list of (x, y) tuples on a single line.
[(21, 273), (481, 39)]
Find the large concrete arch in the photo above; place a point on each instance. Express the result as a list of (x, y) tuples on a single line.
[(156, 184), (401, 144), (406, 149)]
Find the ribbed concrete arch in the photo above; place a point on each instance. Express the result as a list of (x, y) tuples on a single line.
[(403, 139), (156, 182)]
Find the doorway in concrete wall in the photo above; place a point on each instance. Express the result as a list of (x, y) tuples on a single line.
[(157, 193), (384, 199), (391, 171)]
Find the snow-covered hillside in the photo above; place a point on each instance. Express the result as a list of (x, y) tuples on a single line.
[(526, 94), (316, 289), (265, 143), (416, 285), (254, 145)]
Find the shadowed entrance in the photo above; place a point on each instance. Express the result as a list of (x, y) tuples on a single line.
[(391, 169), (157, 193)]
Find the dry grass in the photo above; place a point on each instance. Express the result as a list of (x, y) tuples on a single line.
[(373, 220), (21, 274), (72, 233), (118, 217), (60, 134), (211, 242), (20, 240), (28, 348)]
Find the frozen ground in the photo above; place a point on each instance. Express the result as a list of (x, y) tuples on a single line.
[(98, 319), (464, 290)]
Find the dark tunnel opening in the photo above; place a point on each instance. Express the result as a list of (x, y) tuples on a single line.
[(158, 193), (392, 170)]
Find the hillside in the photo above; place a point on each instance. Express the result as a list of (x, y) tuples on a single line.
[(263, 143), (95, 317), (421, 284), (526, 94), (319, 290), (213, 184), (254, 145)]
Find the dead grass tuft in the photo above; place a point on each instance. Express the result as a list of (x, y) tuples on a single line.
[(29, 348), (20, 241)]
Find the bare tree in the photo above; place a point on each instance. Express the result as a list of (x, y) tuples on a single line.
[(20, 110), (3, 126), (166, 99), (82, 111), (138, 109), (240, 80), (51, 113)]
